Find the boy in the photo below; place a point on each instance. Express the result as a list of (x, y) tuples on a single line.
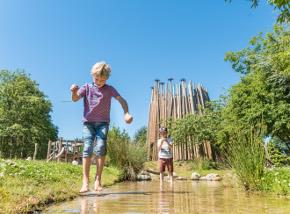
[(164, 145), (96, 118)]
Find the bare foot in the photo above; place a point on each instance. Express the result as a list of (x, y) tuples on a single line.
[(98, 186), (85, 188), (98, 189)]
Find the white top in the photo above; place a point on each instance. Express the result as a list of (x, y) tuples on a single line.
[(165, 151)]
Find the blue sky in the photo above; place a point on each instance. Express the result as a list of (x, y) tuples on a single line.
[(57, 42)]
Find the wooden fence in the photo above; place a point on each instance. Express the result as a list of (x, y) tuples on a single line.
[(64, 150), (169, 100)]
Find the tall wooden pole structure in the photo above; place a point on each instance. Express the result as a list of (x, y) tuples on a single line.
[(174, 101)]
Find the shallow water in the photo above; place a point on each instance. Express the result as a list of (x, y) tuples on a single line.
[(181, 197)]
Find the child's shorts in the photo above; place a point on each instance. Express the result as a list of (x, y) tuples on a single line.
[(95, 138), (166, 162)]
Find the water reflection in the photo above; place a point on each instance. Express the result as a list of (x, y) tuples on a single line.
[(179, 197)]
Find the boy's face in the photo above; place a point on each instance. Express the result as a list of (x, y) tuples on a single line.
[(100, 81), (163, 134)]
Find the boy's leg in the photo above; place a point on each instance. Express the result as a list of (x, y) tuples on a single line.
[(86, 174), (161, 177), (88, 136), (162, 165), (170, 169), (100, 165), (170, 176), (100, 150), (161, 169), (161, 181)]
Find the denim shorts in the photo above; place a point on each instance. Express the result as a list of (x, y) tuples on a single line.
[(95, 138)]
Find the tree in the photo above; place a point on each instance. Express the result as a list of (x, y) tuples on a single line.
[(140, 136), (197, 129), (283, 6), (263, 95), (24, 116)]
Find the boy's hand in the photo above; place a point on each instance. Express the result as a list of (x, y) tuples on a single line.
[(128, 118), (74, 88)]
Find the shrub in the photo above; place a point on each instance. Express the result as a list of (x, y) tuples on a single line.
[(203, 164), (278, 157), (276, 180)]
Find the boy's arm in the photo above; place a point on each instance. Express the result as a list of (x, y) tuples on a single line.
[(160, 142), (169, 142), (74, 95), (128, 118)]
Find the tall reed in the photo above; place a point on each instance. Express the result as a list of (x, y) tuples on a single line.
[(124, 154), (245, 154)]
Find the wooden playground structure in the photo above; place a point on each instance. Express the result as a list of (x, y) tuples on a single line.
[(174, 101), (64, 150)]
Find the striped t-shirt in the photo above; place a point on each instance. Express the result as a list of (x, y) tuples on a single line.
[(97, 102)]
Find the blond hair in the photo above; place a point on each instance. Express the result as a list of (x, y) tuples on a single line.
[(101, 69)]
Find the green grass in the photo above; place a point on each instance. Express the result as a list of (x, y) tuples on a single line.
[(30, 185)]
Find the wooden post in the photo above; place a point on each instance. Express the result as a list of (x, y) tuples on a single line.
[(150, 128), (65, 156), (59, 149), (48, 150), (35, 151)]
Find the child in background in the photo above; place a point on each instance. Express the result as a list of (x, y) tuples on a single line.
[(165, 156)]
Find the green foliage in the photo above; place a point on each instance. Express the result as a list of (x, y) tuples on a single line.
[(198, 128), (278, 157), (24, 116), (283, 6), (127, 156), (203, 164), (259, 102), (276, 180), (140, 136), (263, 95)]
